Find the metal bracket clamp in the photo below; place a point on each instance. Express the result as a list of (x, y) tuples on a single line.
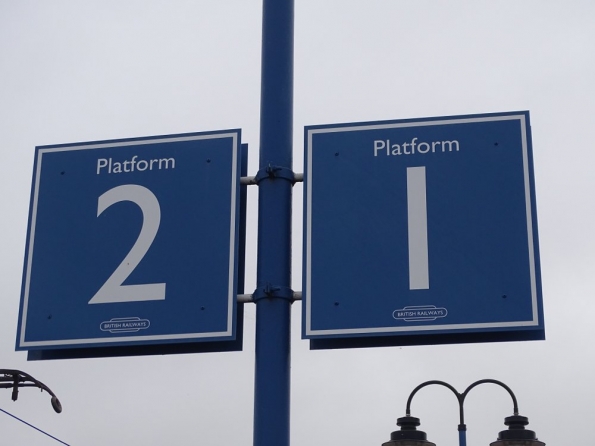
[(269, 291), (249, 299), (271, 171), (251, 181)]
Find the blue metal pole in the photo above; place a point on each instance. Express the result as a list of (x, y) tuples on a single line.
[(462, 437), (273, 294)]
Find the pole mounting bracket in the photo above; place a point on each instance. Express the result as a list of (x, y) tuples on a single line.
[(273, 291), (273, 172)]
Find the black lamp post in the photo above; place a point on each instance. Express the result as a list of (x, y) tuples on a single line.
[(15, 378), (515, 435)]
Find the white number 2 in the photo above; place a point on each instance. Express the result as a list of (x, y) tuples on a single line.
[(112, 290)]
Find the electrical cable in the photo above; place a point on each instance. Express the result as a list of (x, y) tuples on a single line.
[(36, 428)]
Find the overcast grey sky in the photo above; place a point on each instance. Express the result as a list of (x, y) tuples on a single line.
[(75, 71)]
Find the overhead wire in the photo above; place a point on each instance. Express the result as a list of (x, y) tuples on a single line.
[(30, 425)]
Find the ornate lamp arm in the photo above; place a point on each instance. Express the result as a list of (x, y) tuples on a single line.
[(14, 379), (461, 400)]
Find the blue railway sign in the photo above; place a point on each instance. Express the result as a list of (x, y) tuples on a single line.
[(421, 231), (132, 242)]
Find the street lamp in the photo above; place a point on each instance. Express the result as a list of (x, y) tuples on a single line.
[(15, 378), (515, 435)]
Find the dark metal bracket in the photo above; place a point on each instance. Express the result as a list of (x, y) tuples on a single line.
[(273, 291), (273, 172)]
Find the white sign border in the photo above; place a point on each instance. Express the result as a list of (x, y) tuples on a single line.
[(231, 295), (311, 333)]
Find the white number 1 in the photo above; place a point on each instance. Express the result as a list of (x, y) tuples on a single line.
[(417, 222), (112, 290)]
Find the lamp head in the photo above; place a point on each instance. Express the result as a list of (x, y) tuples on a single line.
[(56, 404), (408, 435), (517, 435)]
